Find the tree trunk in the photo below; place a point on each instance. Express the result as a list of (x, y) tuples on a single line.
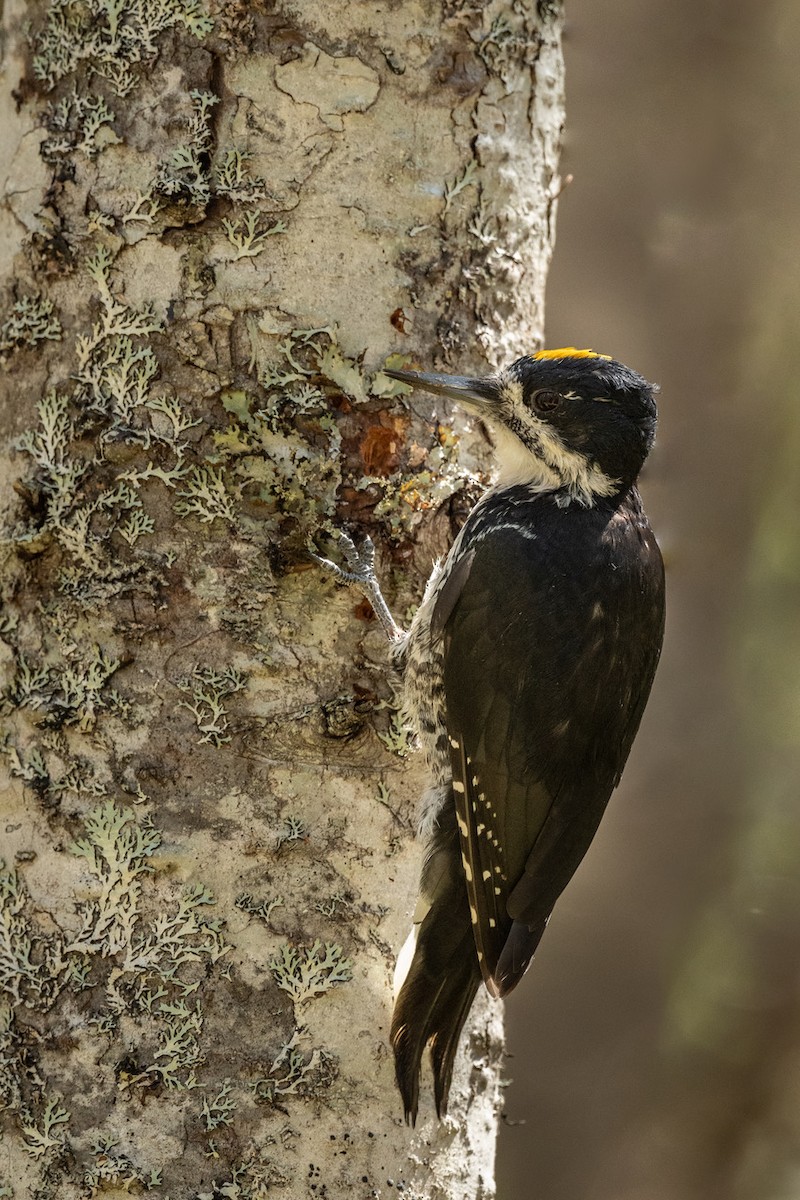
[(218, 224)]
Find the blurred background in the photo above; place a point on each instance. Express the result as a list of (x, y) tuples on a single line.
[(656, 1041)]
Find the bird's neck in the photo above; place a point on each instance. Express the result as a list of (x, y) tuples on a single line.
[(553, 468)]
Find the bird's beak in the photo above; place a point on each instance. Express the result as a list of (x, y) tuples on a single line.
[(480, 396)]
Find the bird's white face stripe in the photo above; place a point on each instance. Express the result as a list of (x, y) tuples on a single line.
[(534, 455)]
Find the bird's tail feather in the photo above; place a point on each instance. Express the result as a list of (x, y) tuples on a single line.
[(432, 1007), (442, 979), (455, 1009)]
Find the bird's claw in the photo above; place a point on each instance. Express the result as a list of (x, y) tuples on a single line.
[(361, 563), (361, 572)]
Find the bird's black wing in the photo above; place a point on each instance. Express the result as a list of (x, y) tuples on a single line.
[(549, 652)]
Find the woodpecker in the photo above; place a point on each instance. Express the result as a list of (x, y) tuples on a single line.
[(527, 668)]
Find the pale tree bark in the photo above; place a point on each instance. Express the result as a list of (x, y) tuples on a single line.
[(218, 223)]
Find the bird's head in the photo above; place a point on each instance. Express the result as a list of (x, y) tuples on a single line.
[(568, 420)]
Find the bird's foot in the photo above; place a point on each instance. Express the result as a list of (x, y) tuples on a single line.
[(361, 572)]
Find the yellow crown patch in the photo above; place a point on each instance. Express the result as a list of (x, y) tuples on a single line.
[(569, 352)]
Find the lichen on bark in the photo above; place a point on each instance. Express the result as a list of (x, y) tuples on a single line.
[(222, 222)]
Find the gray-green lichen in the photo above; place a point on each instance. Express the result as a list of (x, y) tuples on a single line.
[(48, 1134), (506, 44), (295, 1071), (308, 971), (244, 234), (185, 173), (258, 908), (144, 972), (110, 1168), (294, 830), (30, 321), (77, 122), (67, 694), (208, 690), (205, 496), (111, 38), (110, 401), (232, 180), (219, 1109), (399, 738)]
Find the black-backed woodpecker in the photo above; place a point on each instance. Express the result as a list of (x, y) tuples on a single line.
[(527, 668)]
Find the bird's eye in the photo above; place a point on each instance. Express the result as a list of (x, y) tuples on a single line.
[(545, 401)]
